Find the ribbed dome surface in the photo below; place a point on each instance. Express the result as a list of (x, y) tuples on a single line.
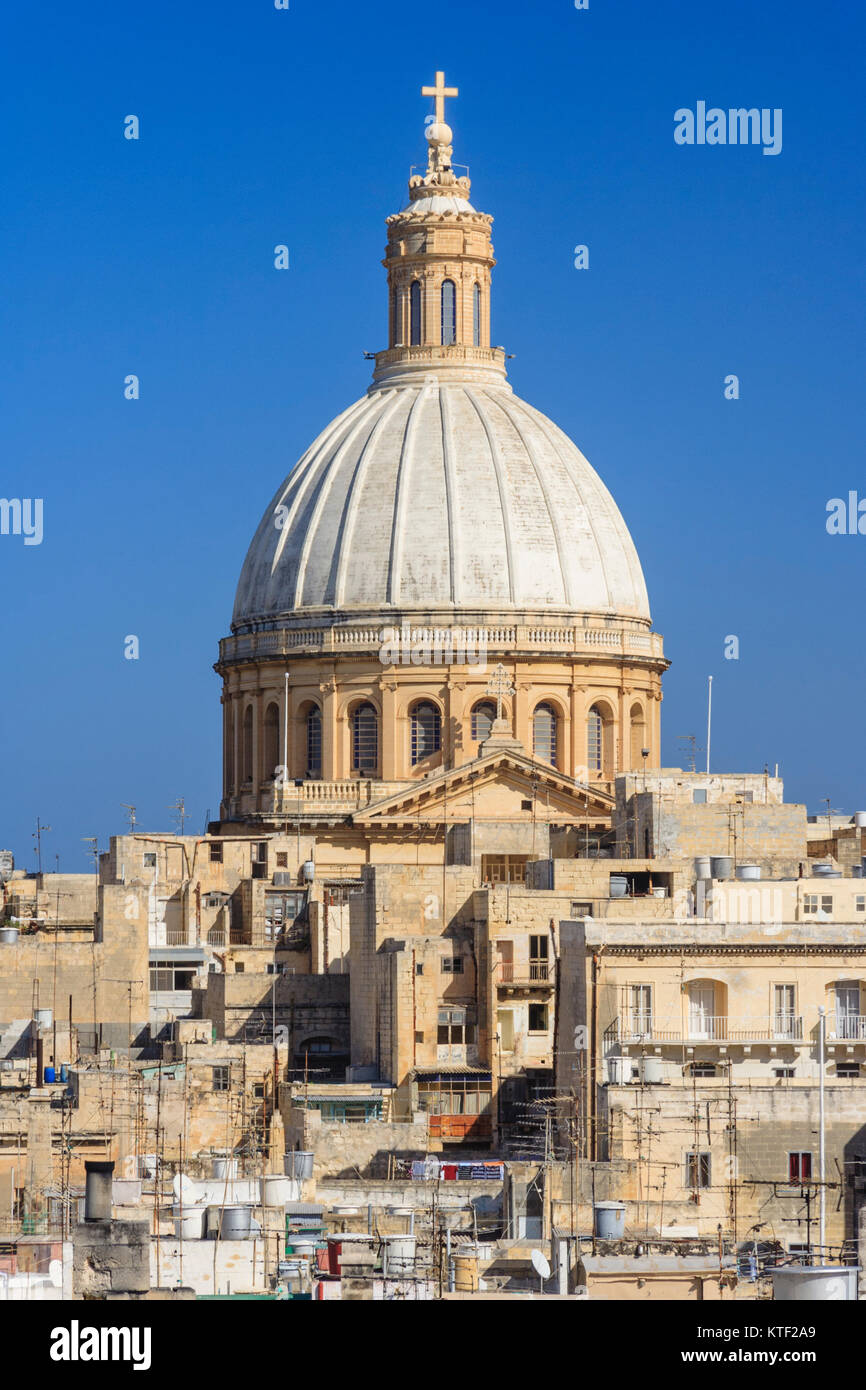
[(451, 496)]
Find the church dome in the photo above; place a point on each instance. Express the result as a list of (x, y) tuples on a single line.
[(443, 492)]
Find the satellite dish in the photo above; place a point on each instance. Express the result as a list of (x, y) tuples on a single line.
[(540, 1264), (184, 1189)]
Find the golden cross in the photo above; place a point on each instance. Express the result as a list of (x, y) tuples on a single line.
[(440, 92)]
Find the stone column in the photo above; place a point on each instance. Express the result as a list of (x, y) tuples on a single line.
[(328, 689)]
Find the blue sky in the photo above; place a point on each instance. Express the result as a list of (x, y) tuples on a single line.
[(260, 126)]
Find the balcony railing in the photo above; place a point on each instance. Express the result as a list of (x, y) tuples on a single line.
[(516, 972), (848, 1027), (719, 1028)]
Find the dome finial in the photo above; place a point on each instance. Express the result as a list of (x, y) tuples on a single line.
[(440, 92)]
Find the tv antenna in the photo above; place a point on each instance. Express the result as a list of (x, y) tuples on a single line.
[(131, 809)]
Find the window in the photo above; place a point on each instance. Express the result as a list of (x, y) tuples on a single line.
[(640, 1008), (365, 739), (170, 976), (476, 315), (150, 861), (259, 1091), (544, 733), (415, 313), (699, 1069), (503, 868), (247, 744), (538, 1018), (595, 740), (314, 743), (419, 970), (697, 1169), (581, 909), (784, 1073), (849, 1020), (847, 1069), (799, 1166), (419, 1037), (239, 967), (483, 716), (282, 860), (699, 796), (452, 965), (784, 1021), (539, 965), (454, 1029), (216, 852), (746, 797), (221, 1077), (817, 902), (426, 733), (449, 312), (272, 741), (526, 805), (860, 902)]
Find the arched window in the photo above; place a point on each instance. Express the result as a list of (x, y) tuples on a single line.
[(483, 716), (314, 743), (449, 312), (595, 740), (544, 733), (415, 313), (272, 741), (426, 731), (476, 315), (247, 759), (638, 736), (365, 739)]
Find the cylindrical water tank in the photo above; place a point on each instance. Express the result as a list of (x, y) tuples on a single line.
[(857, 871), (860, 818), (303, 1246), (618, 886), (466, 1273), (619, 1070), (652, 1071), (299, 1164), (8, 936), (276, 1190), (659, 891), (308, 873), (43, 1018), (748, 871), (64, 1072), (399, 1256), (721, 865), (50, 1076), (822, 870), (188, 1221), (225, 1168), (822, 1283), (702, 866), (235, 1223), (609, 1220)]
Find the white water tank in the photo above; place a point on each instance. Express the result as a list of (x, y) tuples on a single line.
[(652, 1072), (816, 1283)]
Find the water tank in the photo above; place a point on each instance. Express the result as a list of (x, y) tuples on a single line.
[(308, 873), (299, 1164), (702, 866), (225, 1168), (823, 1283), (466, 1273), (857, 871), (399, 1256), (659, 891), (64, 1072), (652, 1072), (822, 870), (277, 1189), (43, 1018), (7, 864), (8, 936), (859, 820), (618, 886), (721, 865), (233, 1223), (619, 1070), (50, 1076), (188, 1221), (748, 872), (609, 1220)]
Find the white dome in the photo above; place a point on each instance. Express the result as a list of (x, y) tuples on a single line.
[(445, 495)]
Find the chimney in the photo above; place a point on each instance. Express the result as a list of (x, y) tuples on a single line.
[(97, 1193)]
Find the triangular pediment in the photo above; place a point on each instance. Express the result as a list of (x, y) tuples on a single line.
[(493, 787)]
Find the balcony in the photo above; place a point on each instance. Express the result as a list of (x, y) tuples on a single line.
[(524, 975), (846, 1027), (644, 1028)]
